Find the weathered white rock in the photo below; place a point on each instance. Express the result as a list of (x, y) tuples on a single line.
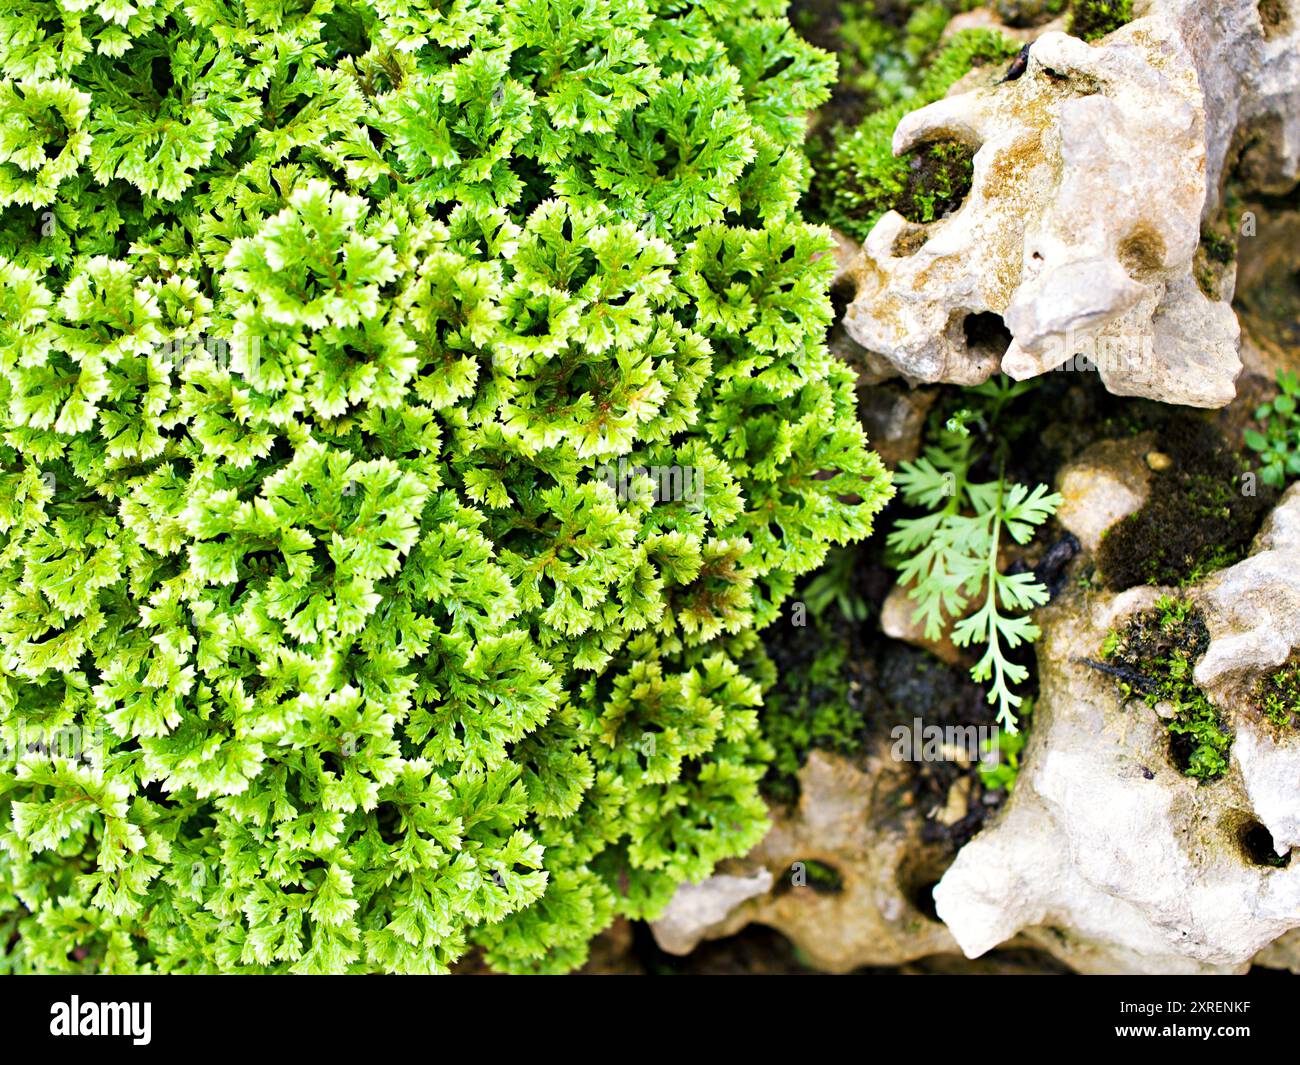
[(1092, 176), (1252, 609), (1107, 855), (1247, 56), (1270, 773)]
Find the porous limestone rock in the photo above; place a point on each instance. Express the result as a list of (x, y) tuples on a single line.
[(1093, 174), (1247, 55), (1107, 855), (1252, 609), (854, 820)]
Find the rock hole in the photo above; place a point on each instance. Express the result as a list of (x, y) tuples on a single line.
[(843, 292), (824, 879), (820, 877), (922, 897), (1256, 843), (1274, 17), (909, 241), (1181, 748), (986, 333), (917, 878), (1142, 254)]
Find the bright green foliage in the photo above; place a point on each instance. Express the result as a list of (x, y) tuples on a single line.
[(318, 325), (881, 57), (949, 556), (1154, 656), (860, 178), (1278, 446)]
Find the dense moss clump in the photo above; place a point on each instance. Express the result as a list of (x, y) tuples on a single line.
[(411, 414), (1154, 656), (818, 699), (1093, 19), (1200, 516), (860, 178)]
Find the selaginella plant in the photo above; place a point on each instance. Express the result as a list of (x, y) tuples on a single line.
[(328, 334)]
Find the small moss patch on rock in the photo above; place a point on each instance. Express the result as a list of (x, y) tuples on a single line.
[(1277, 696), (1093, 19), (809, 874), (939, 178), (818, 700), (1219, 248), (1200, 515), (1153, 657)]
